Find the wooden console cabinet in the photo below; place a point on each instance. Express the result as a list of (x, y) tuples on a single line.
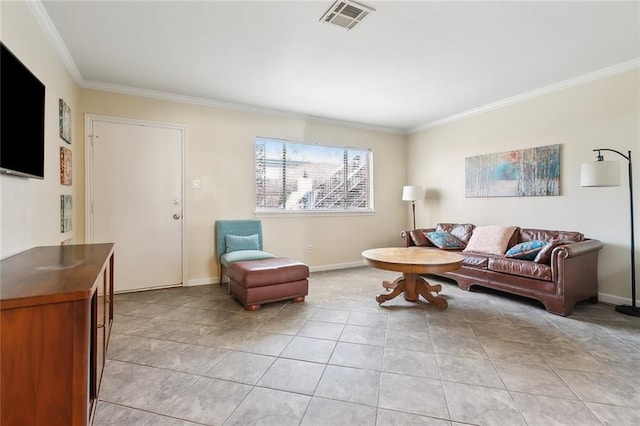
[(56, 314)]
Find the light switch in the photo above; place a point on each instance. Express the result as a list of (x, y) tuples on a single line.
[(195, 183)]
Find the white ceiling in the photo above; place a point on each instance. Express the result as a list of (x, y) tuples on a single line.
[(409, 64)]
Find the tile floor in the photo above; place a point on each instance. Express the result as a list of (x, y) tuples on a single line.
[(192, 355)]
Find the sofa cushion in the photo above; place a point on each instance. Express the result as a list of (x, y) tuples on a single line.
[(475, 260), (544, 255), (444, 240), (491, 239), (523, 268), (525, 251), (546, 235), (258, 273), (462, 231), (418, 238)]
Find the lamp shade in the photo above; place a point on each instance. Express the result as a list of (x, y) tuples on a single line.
[(600, 173), (412, 193)]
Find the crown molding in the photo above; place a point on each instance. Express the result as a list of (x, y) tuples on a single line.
[(207, 102), (49, 29), (40, 14), (556, 87)]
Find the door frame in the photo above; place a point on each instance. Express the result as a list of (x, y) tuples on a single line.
[(89, 119)]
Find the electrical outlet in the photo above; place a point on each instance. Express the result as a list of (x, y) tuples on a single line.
[(309, 248)]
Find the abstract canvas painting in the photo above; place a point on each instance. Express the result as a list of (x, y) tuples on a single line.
[(66, 172), (65, 121), (66, 213), (520, 173)]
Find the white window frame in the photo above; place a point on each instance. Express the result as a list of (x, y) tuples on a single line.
[(314, 211)]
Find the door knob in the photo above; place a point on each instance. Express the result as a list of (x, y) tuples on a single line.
[(176, 216)]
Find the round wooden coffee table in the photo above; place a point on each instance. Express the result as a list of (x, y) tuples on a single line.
[(412, 261)]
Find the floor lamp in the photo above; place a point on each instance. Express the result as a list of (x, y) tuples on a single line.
[(412, 193), (607, 173)]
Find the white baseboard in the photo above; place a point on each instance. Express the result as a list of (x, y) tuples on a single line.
[(335, 266), (202, 281), (615, 300), (321, 268)]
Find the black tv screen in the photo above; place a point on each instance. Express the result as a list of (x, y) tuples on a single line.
[(21, 118)]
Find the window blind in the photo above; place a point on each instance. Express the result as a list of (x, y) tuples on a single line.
[(292, 176)]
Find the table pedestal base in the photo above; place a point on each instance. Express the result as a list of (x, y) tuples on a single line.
[(413, 286)]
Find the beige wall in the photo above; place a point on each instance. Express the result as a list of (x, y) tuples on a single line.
[(30, 213), (603, 113), (600, 114), (220, 152)]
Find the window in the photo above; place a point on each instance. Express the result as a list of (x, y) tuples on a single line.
[(298, 177)]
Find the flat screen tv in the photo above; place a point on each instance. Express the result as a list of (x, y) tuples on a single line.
[(21, 118)]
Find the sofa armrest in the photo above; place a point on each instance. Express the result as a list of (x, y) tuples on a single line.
[(575, 249), (408, 241), (574, 268)]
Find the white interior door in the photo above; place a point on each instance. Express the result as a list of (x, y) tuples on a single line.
[(136, 177)]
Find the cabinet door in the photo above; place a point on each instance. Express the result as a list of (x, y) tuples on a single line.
[(44, 380), (98, 346), (108, 302), (103, 318)]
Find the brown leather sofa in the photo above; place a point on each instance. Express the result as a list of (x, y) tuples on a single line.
[(566, 275)]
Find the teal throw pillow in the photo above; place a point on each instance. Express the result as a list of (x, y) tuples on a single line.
[(525, 251), (444, 240), (241, 242)]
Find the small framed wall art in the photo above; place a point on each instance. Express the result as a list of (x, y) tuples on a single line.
[(66, 169), (66, 213), (65, 121)]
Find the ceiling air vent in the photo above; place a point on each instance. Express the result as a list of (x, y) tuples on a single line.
[(346, 14)]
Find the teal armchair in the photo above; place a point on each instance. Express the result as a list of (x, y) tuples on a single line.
[(237, 241)]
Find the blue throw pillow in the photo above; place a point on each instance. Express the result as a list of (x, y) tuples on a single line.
[(444, 240), (241, 242), (526, 251)]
